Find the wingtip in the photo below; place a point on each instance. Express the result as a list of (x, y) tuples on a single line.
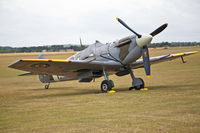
[(12, 64), (193, 52)]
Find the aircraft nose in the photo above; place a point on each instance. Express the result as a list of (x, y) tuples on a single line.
[(144, 40)]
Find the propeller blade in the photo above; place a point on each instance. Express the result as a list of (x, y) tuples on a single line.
[(146, 62), (160, 29), (125, 25)]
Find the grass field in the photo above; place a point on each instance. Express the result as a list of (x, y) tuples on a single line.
[(172, 103)]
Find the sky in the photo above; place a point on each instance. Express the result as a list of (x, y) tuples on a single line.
[(48, 22)]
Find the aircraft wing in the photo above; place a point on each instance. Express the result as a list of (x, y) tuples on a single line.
[(158, 59), (69, 68), (73, 68)]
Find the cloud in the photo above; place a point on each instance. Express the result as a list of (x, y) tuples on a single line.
[(44, 22)]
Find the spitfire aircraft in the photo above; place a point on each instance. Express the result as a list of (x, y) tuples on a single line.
[(98, 60)]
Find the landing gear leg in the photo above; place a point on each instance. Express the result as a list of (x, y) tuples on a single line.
[(107, 85), (137, 83), (47, 86)]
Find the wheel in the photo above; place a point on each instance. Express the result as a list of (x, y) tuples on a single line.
[(112, 83), (137, 87), (106, 85), (131, 88), (46, 86), (140, 84)]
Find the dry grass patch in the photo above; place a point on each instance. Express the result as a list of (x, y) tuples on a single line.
[(170, 105)]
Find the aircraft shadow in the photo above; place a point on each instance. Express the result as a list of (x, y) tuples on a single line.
[(70, 91), (51, 88), (163, 87), (77, 92), (178, 86)]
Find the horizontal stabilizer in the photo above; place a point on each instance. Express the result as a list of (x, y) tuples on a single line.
[(41, 56), (27, 74)]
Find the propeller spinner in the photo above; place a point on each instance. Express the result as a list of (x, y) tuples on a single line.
[(143, 41)]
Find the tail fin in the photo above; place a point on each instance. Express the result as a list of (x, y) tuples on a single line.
[(41, 56)]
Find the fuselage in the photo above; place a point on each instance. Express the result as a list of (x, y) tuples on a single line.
[(125, 51)]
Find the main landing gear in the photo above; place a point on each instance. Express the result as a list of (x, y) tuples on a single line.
[(137, 83), (107, 85)]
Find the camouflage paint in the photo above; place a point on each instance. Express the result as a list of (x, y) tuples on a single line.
[(124, 51)]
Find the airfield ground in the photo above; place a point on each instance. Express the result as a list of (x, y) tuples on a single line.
[(172, 103)]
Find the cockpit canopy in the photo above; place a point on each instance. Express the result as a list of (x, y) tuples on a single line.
[(92, 50)]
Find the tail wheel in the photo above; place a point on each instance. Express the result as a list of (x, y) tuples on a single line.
[(46, 86)]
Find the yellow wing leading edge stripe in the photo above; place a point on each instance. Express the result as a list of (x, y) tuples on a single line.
[(186, 53)]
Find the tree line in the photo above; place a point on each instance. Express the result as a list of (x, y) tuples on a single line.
[(51, 48), (173, 44), (57, 48)]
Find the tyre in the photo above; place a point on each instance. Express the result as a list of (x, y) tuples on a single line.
[(106, 85), (142, 85), (46, 87), (138, 87), (112, 83)]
